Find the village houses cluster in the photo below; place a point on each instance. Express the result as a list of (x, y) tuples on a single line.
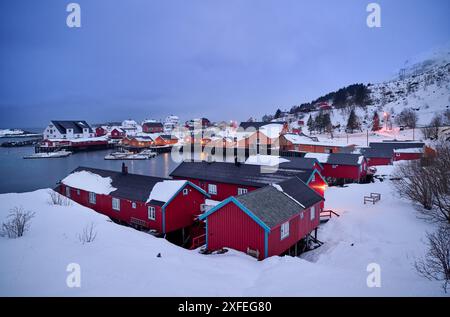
[(269, 201)]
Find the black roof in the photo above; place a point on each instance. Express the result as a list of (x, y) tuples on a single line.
[(298, 163), (270, 205), (274, 207), (297, 189), (133, 187), (241, 174), (153, 124), (377, 152), (394, 145), (344, 159), (257, 125), (77, 126)]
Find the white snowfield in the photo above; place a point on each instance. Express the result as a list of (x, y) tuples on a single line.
[(123, 261), (90, 182)]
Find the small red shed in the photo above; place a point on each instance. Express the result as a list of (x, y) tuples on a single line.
[(342, 166), (408, 154), (266, 222)]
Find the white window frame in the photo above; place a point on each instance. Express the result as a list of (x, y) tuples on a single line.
[(242, 191), (212, 189), (185, 191), (67, 191), (312, 212), (133, 205), (284, 230), (116, 204), (92, 198), (78, 192), (151, 213)]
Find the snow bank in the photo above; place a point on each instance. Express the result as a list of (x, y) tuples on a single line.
[(265, 160), (165, 190), (90, 182)]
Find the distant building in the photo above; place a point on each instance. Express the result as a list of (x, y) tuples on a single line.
[(170, 123), (152, 127), (68, 130)]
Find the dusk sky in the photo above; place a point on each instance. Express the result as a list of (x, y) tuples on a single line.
[(220, 59)]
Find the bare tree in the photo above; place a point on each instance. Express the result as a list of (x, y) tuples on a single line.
[(58, 199), (88, 235), (439, 182), (412, 182), (436, 264), (19, 222), (408, 118)]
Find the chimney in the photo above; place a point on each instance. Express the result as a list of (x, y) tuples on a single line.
[(124, 169)]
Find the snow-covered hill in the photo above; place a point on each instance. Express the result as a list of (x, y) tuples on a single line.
[(123, 261), (422, 84)]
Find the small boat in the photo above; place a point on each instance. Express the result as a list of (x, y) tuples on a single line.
[(126, 157), (57, 154), (148, 153)]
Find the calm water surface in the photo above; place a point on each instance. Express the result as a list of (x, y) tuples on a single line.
[(20, 175)]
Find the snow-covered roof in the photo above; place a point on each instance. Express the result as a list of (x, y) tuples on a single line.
[(271, 130), (90, 182), (300, 139), (321, 157), (165, 190), (79, 140), (265, 160), (413, 150)]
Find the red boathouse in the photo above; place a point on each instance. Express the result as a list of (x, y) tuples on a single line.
[(144, 202), (267, 222), (223, 180)]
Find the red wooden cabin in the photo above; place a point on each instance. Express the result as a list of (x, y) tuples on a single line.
[(408, 154), (100, 131), (266, 222), (342, 166), (147, 202), (223, 180), (152, 127), (117, 133)]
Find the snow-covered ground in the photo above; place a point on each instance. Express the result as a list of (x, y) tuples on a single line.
[(123, 261)]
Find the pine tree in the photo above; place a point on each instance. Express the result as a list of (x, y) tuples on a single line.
[(310, 124), (353, 121), (277, 114), (376, 122)]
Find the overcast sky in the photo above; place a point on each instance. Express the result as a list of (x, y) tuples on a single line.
[(223, 59)]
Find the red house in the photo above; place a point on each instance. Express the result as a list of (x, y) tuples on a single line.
[(144, 202), (344, 167), (269, 221), (117, 133), (100, 131), (152, 127), (224, 180), (408, 154), (378, 157)]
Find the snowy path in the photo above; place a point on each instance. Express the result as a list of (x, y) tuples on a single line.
[(122, 261)]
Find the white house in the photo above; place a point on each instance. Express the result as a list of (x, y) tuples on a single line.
[(68, 130)]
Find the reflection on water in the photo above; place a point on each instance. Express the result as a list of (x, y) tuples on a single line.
[(19, 175)]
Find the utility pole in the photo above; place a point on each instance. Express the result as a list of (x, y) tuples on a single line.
[(367, 137)]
